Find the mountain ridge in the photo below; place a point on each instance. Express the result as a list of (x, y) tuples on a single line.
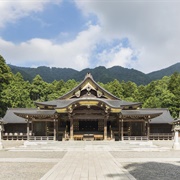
[(168, 71), (100, 74)]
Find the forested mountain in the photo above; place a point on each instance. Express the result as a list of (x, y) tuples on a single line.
[(164, 72), (48, 74), (100, 74), (18, 93)]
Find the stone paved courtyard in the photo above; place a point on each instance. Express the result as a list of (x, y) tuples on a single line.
[(78, 160)]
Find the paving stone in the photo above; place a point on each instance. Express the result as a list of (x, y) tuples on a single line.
[(93, 160)]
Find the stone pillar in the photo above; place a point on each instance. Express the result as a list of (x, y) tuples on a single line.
[(105, 128), (71, 129), (122, 130), (54, 129), (176, 144)]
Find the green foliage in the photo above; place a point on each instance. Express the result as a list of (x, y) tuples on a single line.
[(5, 77), (5, 73), (16, 92), (115, 88), (174, 88)]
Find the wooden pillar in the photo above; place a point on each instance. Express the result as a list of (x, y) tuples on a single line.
[(122, 130), (28, 129), (1, 129), (32, 127), (46, 128), (71, 129), (119, 123), (57, 129), (144, 128), (111, 132), (0, 133), (130, 128), (105, 128), (148, 130), (54, 129)]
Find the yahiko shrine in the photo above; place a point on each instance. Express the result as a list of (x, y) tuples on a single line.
[(87, 112)]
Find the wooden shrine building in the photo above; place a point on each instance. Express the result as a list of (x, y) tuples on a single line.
[(87, 112)]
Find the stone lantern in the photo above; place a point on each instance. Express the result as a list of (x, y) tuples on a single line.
[(176, 129), (1, 129)]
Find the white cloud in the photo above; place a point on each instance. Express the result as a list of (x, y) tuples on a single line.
[(74, 54), (116, 56), (11, 11), (151, 26)]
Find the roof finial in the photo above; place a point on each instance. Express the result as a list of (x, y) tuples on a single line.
[(88, 75)]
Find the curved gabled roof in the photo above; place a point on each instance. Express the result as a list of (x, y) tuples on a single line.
[(157, 115), (10, 117), (18, 115), (100, 95), (87, 78), (65, 103), (165, 117)]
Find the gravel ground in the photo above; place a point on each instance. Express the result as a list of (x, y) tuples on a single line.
[(24, 171), (9, 144), (148, 154), (163, 143), (32, 154), (154, 170)]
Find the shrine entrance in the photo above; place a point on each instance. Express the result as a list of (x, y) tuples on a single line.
[(88, 125)]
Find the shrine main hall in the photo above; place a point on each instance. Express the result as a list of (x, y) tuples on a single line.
[(87, 112)]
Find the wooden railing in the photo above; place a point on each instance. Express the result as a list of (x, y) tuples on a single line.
[(41, 138), (135, 138), (14, 136), (23, 136), (86, 137), (161, 136)]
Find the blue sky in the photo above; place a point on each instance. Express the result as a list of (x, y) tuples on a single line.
[(49, 23), (82, 34)]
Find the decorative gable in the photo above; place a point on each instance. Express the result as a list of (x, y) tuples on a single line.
[(89, 88)]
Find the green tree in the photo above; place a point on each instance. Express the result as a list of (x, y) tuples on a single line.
[(5, 77), (115, 88), (16, 93), (39, 89), (56, 87), (68, 86), (129, 90), (140, 94), (174, 88), (152, 102)]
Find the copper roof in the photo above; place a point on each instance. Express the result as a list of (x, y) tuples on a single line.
[(156, 115), (65, 103)]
